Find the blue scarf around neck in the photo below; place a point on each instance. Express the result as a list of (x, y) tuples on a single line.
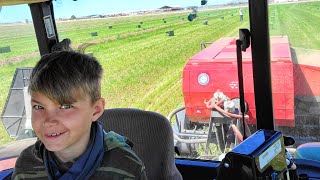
[(86, 164)]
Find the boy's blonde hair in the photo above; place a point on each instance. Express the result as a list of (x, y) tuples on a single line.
[(63, 75)]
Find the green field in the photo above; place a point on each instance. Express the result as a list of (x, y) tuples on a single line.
[(143, 66)]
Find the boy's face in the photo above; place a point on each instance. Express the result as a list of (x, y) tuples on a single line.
[(64, 128)]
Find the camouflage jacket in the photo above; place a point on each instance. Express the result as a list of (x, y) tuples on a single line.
[(119, 162)]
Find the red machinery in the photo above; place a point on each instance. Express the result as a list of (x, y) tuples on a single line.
[(295, 91), (215, 68)]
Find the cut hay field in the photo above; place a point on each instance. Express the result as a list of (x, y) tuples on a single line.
[(143, 66)]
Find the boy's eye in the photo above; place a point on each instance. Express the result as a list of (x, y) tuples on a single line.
[(37, 107), (66, 106)]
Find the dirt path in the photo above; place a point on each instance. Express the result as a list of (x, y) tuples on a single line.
[(18, 58), (83, 46)]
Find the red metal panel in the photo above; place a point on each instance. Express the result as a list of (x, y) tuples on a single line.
[(279, 39), (281, 51), (219, 62), (211, 51), (7, 164)]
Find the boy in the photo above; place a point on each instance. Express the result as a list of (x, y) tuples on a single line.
[(65, 89)]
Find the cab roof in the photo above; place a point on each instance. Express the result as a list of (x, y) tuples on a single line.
[(16, 2)]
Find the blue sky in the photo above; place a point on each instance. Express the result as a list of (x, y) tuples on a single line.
[(67, 8)]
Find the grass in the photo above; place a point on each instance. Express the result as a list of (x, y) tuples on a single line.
[(137, 75), (144, 71), (299, 21)]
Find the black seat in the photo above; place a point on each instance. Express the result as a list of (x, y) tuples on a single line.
[(152, 136)]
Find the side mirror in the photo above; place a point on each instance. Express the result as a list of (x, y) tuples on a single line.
[(244, 37)]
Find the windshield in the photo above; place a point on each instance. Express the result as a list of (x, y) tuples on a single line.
[(178, 59)]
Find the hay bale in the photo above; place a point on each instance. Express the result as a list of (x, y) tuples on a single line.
[(5, 49), (94, 34), (170, 33)]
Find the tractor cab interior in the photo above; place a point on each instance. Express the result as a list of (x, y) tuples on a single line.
[(249, 101)]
